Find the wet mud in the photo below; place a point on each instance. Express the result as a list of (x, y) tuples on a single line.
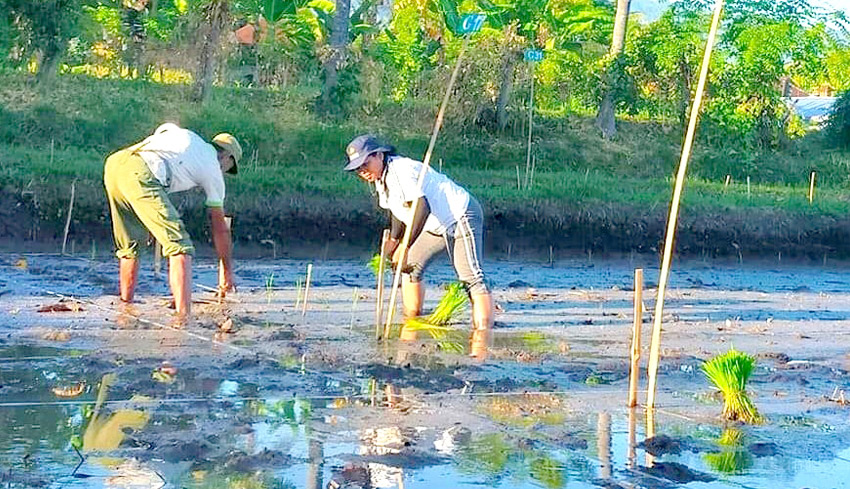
[(287, 398)]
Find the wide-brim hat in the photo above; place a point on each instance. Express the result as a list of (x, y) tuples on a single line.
[(229, 143), (361, 148)]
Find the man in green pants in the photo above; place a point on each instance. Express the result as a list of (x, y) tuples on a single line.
[(138, 180)]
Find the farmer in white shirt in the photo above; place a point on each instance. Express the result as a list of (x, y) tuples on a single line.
[(448, 217), (138, 180)]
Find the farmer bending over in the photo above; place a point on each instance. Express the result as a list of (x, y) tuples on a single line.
[(447, 216), (138, 180)]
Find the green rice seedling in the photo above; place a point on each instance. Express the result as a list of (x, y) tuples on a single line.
[(448, 338), (375, 264), (729, 373), (437, 323), (450, 306), (269, 287), (731, 437), (729, 462)]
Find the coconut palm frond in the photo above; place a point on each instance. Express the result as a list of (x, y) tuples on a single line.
[(729, 373)]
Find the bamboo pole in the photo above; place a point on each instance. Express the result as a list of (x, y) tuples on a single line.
[(530, 122), (379, 295), (405, 241), (306, 289), (634, 372), (812, 187), (674, 212), (650, 433), (71, 210)]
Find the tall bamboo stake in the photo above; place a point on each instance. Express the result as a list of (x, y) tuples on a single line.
[(71, 210), (379, 295), (306, 289), (650, 433), (636, 327), (632, 439), (672, 219), (405, 241), (530, 122)]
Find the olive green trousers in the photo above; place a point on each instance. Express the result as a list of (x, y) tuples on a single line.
[(138, 201)]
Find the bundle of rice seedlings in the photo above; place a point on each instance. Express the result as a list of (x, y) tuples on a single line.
[(729, 373), (731, 437), (729, 462), (451, 306), (375, 264), (437, 323)]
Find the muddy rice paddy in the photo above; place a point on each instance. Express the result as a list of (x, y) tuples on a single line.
[(258, 393)]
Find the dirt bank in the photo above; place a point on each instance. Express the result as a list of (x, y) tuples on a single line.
[(317, 222)]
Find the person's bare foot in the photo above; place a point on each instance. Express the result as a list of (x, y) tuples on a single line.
[(479, 344)]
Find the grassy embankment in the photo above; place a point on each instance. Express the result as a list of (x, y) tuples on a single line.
[(588, 194)]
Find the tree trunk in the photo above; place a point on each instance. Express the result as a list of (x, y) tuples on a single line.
[(216, 14), (505, 86), (339, 44), (49, 66), (605, 118)]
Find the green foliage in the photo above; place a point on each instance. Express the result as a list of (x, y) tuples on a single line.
[(729, 373), (838, 126), (375, 264)]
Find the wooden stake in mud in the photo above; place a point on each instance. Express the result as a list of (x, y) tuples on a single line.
[(812, 187), (631, 461), (672, 219), (306, 289), (635, 350), (405, 241), (379, 295), (71, 210)]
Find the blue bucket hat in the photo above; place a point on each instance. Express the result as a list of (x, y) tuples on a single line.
[(361, 147)]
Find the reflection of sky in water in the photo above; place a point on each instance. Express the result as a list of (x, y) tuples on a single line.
[(289, 424)]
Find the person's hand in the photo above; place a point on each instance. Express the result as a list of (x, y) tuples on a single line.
[(397, 256)]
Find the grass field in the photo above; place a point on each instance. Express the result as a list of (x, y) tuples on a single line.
[(290, 179)]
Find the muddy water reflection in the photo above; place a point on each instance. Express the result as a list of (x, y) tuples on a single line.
[(202, 430)]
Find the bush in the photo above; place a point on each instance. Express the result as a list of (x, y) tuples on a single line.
[(838, 126)]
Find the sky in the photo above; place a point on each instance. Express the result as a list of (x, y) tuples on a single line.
[(653, 8)]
